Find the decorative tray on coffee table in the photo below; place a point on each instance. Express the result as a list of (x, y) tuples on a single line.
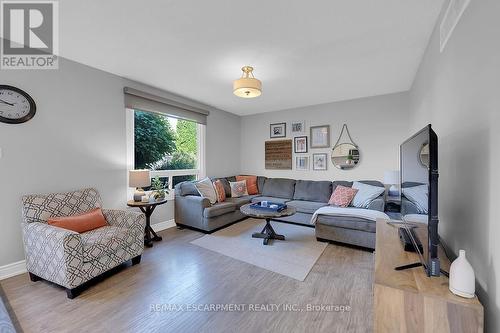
[(269, 206)]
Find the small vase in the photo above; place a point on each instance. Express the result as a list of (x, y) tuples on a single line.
[(462, 277)]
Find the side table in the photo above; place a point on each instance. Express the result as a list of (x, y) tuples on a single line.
[(147, 208)]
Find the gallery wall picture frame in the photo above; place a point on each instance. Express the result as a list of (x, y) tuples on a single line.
[(298, 127), (300, 144), (277, 130), (320, 136), (302, 163), (278, 154), (320, 162)]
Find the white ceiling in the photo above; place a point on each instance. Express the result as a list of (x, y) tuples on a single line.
[(305, 52)]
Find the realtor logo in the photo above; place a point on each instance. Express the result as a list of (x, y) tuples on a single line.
[(30, 36)]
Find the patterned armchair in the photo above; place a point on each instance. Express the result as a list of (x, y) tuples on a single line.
[(68, 258)]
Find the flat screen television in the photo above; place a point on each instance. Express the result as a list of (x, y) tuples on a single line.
[(419, 190)]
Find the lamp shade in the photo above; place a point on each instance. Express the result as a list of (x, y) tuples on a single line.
[(247, 86), (139, 178), (391, 177)]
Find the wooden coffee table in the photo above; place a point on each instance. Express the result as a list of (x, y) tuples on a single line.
[(267, 232)]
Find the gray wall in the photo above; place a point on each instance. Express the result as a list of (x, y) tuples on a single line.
[(78, 139), (458, 92), (223, 144), (377, 124)]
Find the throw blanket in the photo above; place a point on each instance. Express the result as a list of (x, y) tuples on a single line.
[(363, 213)]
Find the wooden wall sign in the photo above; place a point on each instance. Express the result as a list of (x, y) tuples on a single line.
[(279, 154)]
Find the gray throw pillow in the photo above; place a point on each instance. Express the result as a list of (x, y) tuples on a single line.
[(419, 195), (366, 194), (206, 189)]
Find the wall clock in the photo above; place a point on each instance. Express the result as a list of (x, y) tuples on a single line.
[(16, 106)]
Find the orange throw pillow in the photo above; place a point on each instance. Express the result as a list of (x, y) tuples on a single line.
[(219, 191), (251, 183), (342, 196), (80, 223)]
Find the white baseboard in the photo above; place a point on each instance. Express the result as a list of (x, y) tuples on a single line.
[(19, 267), (13, 269), (163, 225)]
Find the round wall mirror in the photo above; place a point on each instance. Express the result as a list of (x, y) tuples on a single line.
[(345, 156), (423, 155)]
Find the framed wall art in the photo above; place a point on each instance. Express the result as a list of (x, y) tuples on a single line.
[(298, 127), (320, 136), (277, 130), (302, 163), (278, 155), (300, 144), (320, 161)]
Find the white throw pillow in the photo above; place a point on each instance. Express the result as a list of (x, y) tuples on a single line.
[(419, 195), (366, 194), (238, 189), (206, 189)]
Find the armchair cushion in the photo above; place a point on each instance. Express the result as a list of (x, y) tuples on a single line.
[(125, 219), (105, 241)]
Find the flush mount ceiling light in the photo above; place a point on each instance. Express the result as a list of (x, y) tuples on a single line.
[(247, 86)]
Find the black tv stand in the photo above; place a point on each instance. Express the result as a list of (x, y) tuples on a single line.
[(408, 266), (418, 264)]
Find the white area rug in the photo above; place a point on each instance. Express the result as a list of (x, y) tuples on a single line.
[(294, 257)]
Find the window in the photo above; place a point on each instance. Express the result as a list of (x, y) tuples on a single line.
[(170, 147)]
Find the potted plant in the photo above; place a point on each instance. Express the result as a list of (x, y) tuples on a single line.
[(158, 188)]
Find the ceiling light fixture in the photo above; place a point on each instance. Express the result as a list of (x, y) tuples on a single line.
[(247, 86)]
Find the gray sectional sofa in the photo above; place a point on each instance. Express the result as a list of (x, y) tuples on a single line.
[(193, 211)]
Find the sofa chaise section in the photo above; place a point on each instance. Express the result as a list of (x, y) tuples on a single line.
[(350, 229)]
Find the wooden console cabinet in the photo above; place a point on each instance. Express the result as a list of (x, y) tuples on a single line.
[(409, 301)]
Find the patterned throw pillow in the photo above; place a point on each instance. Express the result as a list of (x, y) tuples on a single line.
[(251, 183), (238, 189), (219, 191), (342, 196)]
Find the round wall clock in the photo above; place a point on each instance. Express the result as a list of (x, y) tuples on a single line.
[(16, 106)]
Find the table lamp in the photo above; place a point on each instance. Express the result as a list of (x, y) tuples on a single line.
[(139, 179), (392, 178)]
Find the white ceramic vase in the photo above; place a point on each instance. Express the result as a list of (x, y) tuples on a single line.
[(462, 278)]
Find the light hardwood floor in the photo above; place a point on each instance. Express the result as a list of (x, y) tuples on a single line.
[(177, 272)]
